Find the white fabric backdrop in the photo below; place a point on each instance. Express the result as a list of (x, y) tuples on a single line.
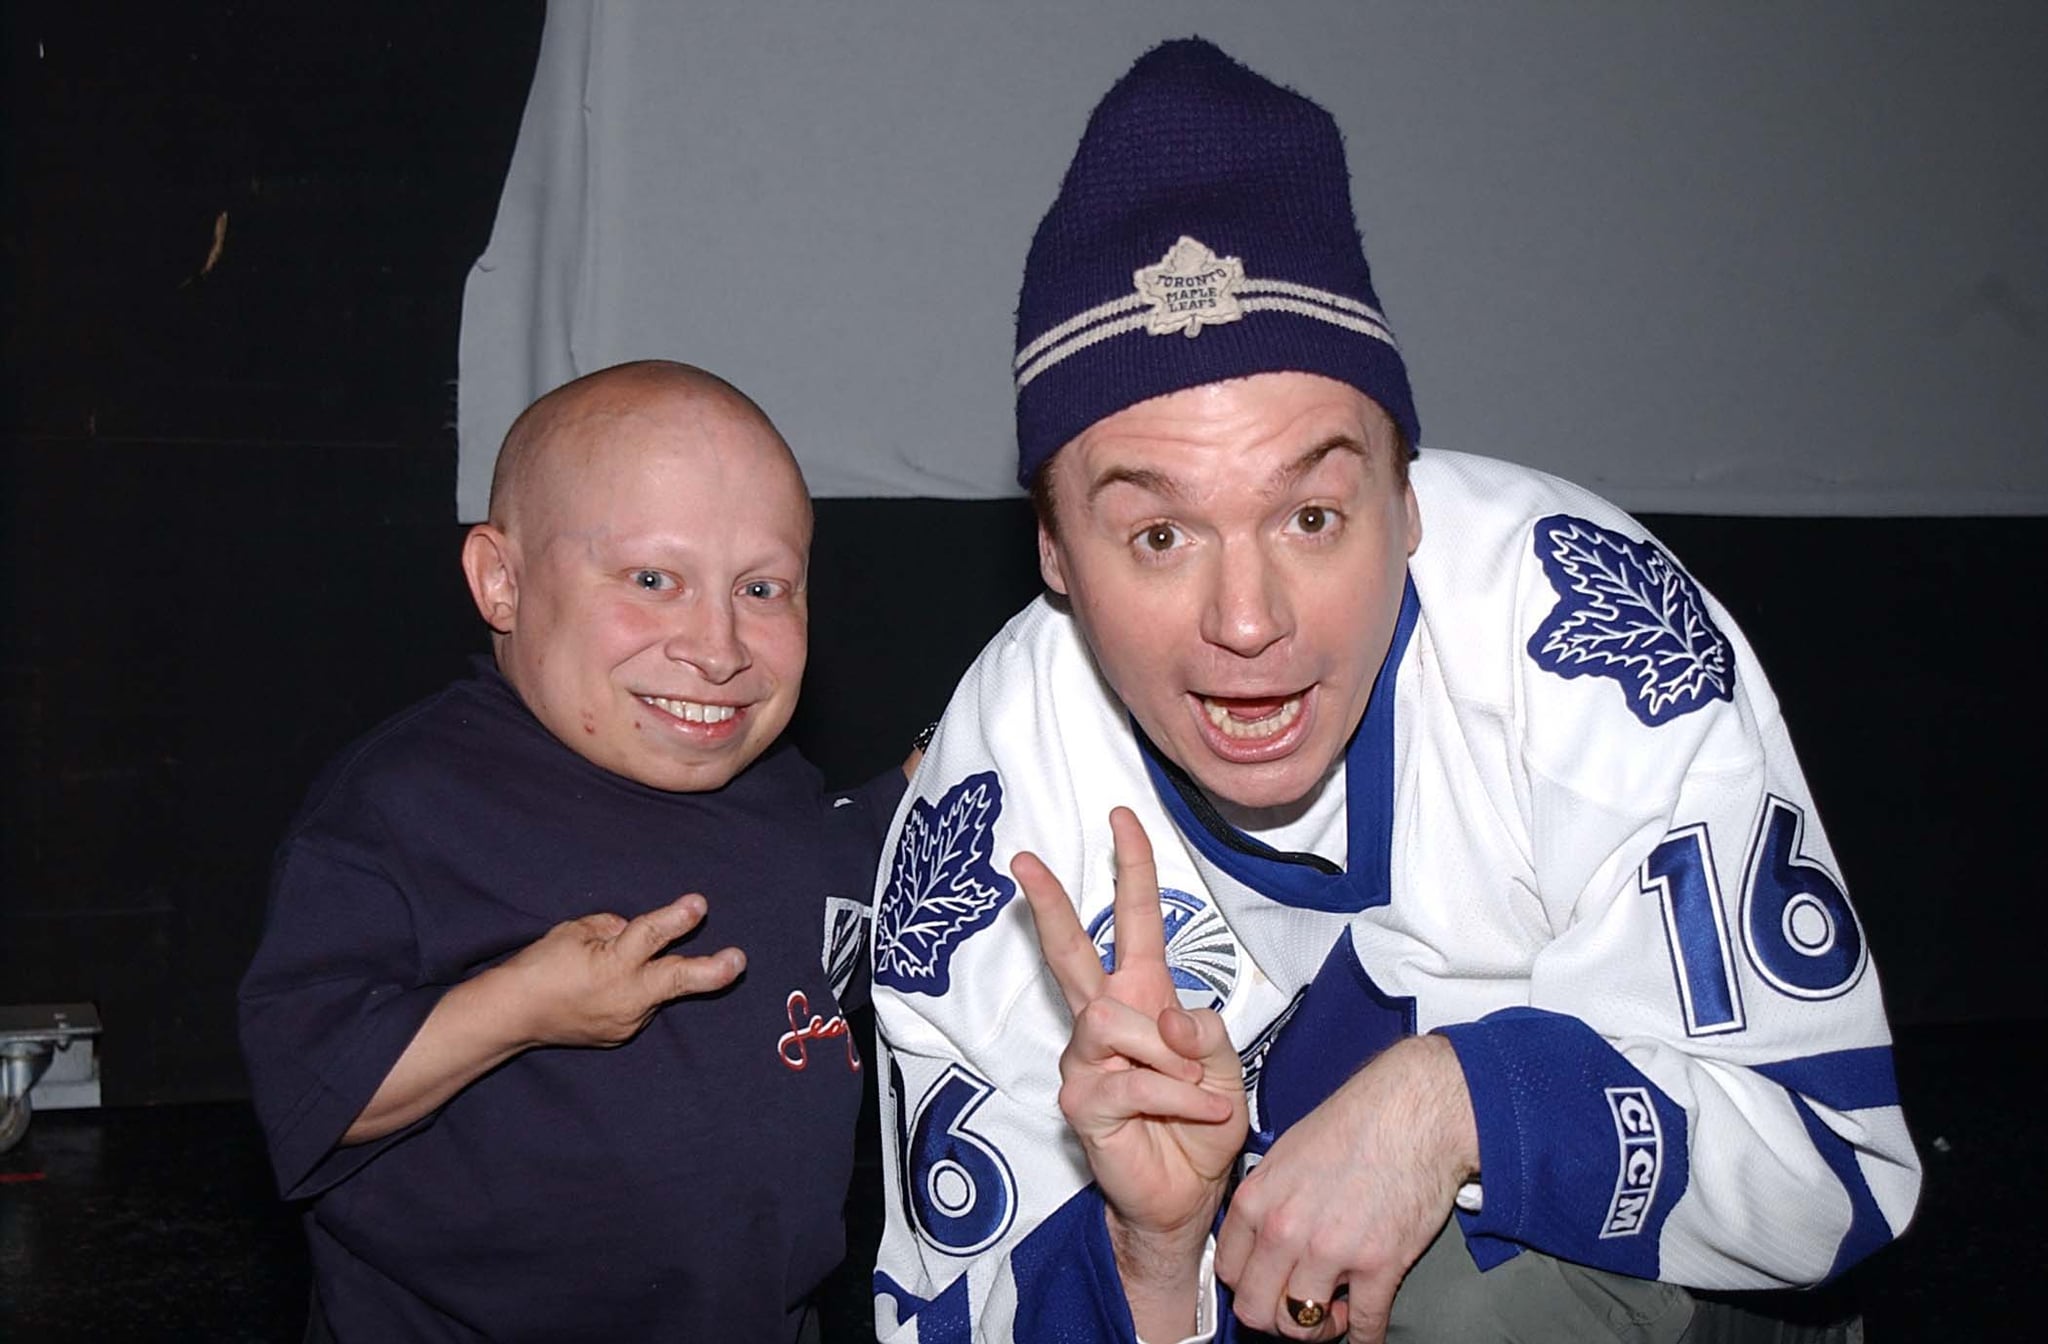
[(1708, 258)]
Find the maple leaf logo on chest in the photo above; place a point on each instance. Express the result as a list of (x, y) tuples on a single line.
[(942, 886), (1625, 610)]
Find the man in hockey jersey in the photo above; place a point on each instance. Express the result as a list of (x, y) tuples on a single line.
[(1430, 894), (524, 1085)]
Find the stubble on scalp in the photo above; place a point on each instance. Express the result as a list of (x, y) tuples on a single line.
[(565, 430)]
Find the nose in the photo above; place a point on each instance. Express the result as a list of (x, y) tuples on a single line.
[(1246, 609), (707, 637)]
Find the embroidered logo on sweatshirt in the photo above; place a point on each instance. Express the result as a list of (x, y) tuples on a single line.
[(805, 1027)]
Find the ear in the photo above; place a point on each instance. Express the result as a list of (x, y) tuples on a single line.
[(490, 565), (1414, 521), (1049, 562)]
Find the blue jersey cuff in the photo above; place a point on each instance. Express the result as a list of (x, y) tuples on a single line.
[(1066, 1277), (1581, 1156)]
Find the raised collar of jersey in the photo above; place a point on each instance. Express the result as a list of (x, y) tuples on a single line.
[(1308, 881)]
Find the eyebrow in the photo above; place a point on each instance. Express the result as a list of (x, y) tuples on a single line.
[(1313, 458), (1145, 478), (1159, 483)]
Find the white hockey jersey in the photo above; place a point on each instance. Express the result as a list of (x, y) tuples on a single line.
[(1575, 840)]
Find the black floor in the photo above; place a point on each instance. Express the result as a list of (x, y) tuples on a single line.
[(158, 1223)]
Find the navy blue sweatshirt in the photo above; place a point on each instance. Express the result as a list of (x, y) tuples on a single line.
[(689, 1184)]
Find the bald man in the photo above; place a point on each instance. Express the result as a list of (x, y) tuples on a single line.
[(546, 1027)]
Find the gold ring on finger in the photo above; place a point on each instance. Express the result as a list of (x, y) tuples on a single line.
[(1306, 1311)]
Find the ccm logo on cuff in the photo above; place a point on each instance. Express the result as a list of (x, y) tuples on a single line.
[(1641, 1141)]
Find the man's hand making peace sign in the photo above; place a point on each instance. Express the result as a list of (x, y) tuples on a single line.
[(1153, 1090)]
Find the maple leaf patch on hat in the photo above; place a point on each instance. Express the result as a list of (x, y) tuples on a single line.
[(1188, 288)]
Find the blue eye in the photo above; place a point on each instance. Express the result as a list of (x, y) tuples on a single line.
[(762, 589), (650, 580)]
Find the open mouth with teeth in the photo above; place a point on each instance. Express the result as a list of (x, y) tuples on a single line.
[(1252, 728), (1252, 720), (691, 711)]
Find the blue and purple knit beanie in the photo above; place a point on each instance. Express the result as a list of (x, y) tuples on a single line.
[(1203, 232)]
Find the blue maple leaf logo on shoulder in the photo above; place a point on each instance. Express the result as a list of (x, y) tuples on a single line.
[(941, 886), (1625, 610)]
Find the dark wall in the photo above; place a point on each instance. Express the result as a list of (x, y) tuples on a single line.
[(227, 473), (229, 545)]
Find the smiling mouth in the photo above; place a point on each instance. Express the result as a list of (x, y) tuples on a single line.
[(691, 711), (1251, 719)]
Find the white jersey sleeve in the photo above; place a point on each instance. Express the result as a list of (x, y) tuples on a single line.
[(1696, 1084), (994, 1231)]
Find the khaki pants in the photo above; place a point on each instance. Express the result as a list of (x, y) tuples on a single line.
[(1535, 1299)]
